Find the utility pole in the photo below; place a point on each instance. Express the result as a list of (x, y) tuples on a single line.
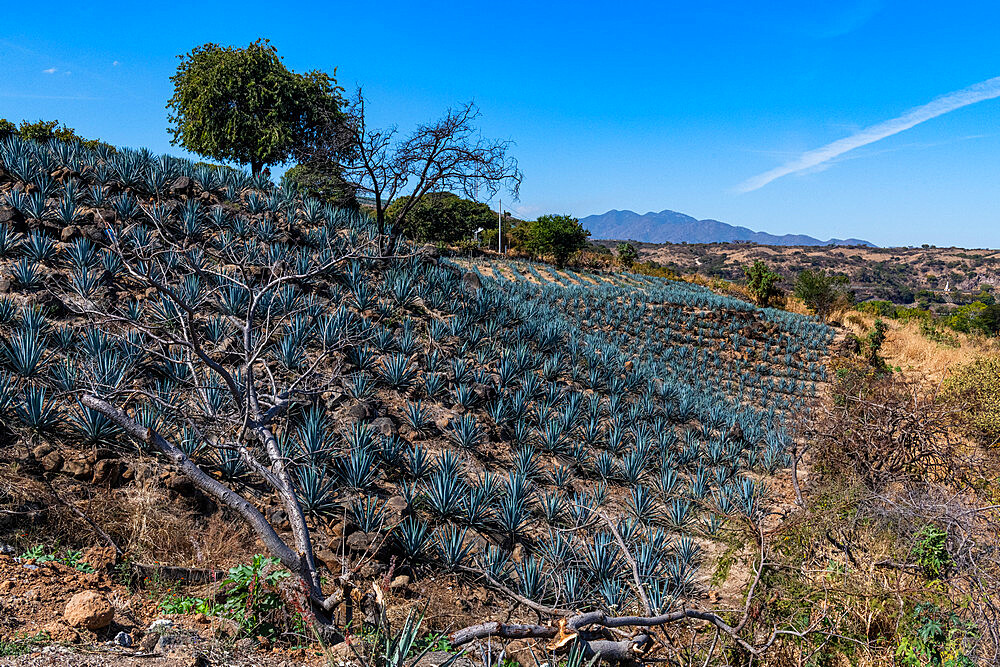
[(500, 227)]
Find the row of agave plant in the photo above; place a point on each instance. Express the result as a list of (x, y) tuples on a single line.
[(99, 172), (709, 343), (566, 426)]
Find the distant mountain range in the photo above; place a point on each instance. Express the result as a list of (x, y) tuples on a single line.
[(673, 227)]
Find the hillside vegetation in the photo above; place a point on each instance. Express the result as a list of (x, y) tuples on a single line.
[(631, 466), (936, 278)]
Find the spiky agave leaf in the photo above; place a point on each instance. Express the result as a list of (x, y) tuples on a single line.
[(36, 410), (413, 536), (317, 493), (25, 351), (452, 547)]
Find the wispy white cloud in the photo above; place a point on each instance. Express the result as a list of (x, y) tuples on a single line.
[(115, 64), (51, 70), (979, 92)]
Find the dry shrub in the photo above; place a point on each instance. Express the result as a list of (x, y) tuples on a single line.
[(887, 429), (898, 517), (976, 386), (908, 348), (16, 487), (143, 518), (855, 322), (721, 286)]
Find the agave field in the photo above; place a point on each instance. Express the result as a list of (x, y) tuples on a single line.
[(271, 346)]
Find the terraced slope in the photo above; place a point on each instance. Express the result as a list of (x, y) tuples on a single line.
[(297, 365)]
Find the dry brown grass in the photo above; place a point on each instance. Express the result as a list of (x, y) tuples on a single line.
[(916, 354), (155, 528), (142, 518)]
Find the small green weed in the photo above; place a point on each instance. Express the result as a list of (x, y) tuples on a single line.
[(434, 642), (13, 647), (931, 550), (249, 599), (933, 637), (74, 559)]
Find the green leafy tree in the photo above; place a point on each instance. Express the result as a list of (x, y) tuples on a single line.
[(762, 282), (989, 319), (44, 131), (627, 254), (558, 236), (7, 128), (245, 106), (321, 182), (966, 318), (442, 216), (821, 291)]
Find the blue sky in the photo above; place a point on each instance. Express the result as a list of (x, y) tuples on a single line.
[(641, 106)]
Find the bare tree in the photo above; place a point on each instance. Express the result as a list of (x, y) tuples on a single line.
[(449, 154), (231, 331)]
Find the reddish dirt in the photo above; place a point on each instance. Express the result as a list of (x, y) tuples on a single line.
[(33, 597)]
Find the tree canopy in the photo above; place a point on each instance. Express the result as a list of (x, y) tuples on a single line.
[(762, 282), (243, 105), (327, 185), (558, 236), (627, 254), (821, 291), (442, 216)]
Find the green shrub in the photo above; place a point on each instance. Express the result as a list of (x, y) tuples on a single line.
[(762, 282), (13, 647), (822, 292), (964, 318), (443, 216), (250, 598), (873, 343), (558, 236), (878, 308), (321, 181), (931, 332), (44, 131), (930, 636), (74, 559), (627, 254), (911, 314), (931, 550)]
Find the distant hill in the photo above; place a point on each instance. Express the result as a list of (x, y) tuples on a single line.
[(673, 227)]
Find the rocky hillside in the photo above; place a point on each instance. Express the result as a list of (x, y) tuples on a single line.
[(934, 277), (198, 366)]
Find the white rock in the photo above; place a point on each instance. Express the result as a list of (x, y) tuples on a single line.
[(160, 625)]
